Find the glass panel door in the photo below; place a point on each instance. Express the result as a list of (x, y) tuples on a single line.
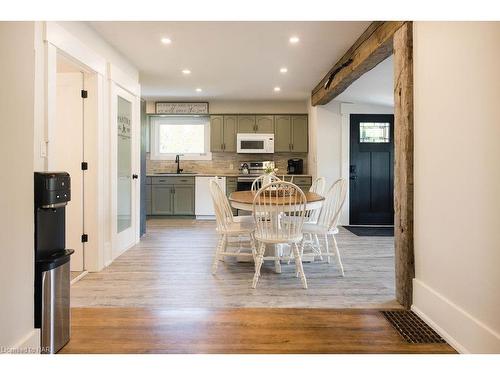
[(124, 165)]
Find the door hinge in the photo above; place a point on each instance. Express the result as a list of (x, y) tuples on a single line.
[(85, 237), (84, 94), (85, 165)]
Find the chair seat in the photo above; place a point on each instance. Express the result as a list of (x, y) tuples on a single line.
[(243, 219), (318, 229), (295, 239), (243, 227)]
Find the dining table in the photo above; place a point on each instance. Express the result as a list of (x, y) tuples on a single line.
[(243, 200)]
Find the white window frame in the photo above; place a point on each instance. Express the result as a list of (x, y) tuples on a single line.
[(155, 123)]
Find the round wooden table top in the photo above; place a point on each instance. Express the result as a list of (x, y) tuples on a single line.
[(246, 197)]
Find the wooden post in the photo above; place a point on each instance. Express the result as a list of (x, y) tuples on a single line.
[(403, 163)]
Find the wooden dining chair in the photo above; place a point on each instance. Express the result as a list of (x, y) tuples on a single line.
[(318, 187), (328, 218), (228, 226), (268, 205), (259, 181)]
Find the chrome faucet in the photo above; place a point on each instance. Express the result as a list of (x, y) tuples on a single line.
[(177, 160)]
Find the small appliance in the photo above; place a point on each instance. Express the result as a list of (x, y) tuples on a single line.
[(255, 143), (52, 260), (295, 166)]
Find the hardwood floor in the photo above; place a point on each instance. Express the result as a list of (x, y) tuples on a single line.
[(242, 330), (170, 268)]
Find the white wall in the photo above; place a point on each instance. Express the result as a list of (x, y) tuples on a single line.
[(16, 196), (88, 36), (329, 141), (247, 106), (457, 181)]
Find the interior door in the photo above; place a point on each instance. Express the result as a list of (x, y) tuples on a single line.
[(371, 180), (66, 154), (125, 158)]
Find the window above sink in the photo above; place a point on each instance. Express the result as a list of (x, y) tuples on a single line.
[(185, 135)]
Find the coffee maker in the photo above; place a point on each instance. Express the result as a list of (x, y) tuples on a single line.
[(52, 260), (295, 166)]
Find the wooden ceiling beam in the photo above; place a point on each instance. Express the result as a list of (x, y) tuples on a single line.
[(370, 49)]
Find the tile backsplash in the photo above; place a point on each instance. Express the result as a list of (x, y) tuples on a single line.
[(222, 162)]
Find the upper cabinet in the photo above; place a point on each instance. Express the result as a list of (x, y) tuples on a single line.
[(256, 124), (223, 133), (264, 124), (291, 134), (290, 131), (299, 133), (246, 124), (216, 133)]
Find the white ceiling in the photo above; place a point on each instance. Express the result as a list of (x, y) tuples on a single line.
[(230, 60), (374, 87)]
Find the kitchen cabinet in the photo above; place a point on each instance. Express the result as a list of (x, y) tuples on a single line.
[(303, 182), (256, 124), (161, 200), (148, 196), (282, 133), (291, 133), (246, 124), (223, 133), (183, 200), (264, 124), (217, 133), (172, 195), (231, 186)]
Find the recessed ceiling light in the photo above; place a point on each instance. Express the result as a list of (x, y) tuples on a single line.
[(283, 70), (166, 40), (199, 90), (186, 71), (294, 39), (277, 89)]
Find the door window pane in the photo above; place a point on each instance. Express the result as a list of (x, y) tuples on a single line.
[(124, 167), (374, 132)]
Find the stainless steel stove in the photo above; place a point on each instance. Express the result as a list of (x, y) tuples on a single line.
[(249, 170)]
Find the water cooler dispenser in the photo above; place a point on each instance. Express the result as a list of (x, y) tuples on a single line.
[(52, 260)]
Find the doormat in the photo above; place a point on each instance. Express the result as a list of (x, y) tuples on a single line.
[(371, 231), (411, 328)]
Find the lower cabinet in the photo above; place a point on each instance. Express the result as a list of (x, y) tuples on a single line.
[(162, 200), (231, 186), (183, 200), (172, 196)]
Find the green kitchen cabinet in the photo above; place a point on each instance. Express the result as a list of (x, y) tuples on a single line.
[(223, 133), (256, 124), (290, 133), (264, 124), (229, 133), (162, 200), (299, 133), (282, 133), (231, 186), (183, 200), (148, 196), (217, 133), (172, 195), (246, 124)]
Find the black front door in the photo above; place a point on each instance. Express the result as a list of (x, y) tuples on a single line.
[(371, 180)]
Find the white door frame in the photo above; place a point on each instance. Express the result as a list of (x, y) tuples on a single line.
[(129, 237)]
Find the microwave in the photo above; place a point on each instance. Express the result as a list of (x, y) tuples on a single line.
[(254, 143)]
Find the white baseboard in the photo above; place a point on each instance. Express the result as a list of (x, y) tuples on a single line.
[(30, 344), (460, 329)]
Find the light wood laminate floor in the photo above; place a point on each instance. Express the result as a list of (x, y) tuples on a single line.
[(170, 268), (243, 330)]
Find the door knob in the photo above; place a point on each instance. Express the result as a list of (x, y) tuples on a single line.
[(135, 177), (354, 178)]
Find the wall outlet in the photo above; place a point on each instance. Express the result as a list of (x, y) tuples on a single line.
[(231, 166), (43, 149)]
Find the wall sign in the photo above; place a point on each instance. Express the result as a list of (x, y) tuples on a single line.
[(179, 108)]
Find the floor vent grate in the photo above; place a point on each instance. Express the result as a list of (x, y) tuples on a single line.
[(413, 329)]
